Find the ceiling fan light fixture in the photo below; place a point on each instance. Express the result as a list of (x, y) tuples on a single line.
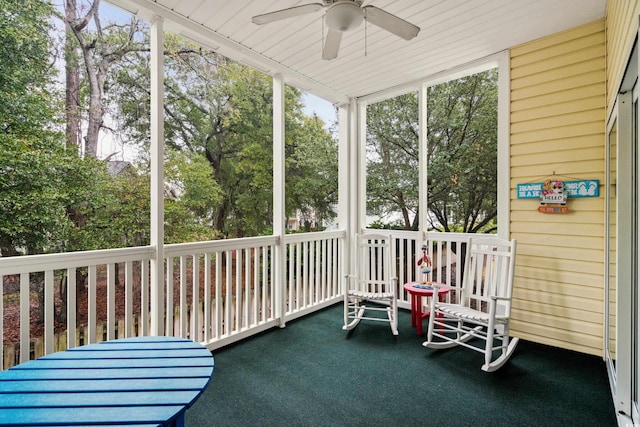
[(344, 16)]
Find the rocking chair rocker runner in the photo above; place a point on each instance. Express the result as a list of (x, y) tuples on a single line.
[(483, 305), (373, 282)]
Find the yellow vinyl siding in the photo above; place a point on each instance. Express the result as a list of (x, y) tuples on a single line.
[(523, 216), (543, 252), (559, 122), (577, 142), (622, 27), (542, 158), (556, 334), (558, 109), (568, 170), (551, 99)]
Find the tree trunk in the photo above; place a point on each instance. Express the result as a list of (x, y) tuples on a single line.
[(95, 80), (72, 78), (95, 77), (7, 248), (61, 315)]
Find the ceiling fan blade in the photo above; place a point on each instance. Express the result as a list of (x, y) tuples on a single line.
[(391, 23), (286, 13), (331, 45)]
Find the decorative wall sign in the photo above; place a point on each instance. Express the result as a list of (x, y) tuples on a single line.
[(553, 209), (553, 197), (573, 189), (553, 193)]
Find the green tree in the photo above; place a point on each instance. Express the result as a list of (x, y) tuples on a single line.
[(221, 111), (463, 150), (27, 135), (101, 47), (51, 200), (311, 172), (392, 154), (191, 198), (462, 155)]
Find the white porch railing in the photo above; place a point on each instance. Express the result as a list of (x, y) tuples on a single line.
[(216, 292)]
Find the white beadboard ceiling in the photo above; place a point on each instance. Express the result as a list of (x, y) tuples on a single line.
[(453, 33)]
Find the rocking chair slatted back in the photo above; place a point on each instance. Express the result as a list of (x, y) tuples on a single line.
[(480, 319), (487, 266), (373, 266), (370, 294)]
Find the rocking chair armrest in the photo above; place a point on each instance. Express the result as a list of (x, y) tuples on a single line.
[(350, 278), (436, 289), (498, 298)]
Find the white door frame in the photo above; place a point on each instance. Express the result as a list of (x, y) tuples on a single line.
[(622, 368)]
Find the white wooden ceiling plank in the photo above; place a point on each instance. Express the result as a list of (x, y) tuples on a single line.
[(452, 51), (279, 36), (213, 14), (308, 44), (454, 55), (453, 32), (348, 38), (352, 48), (186, 7)]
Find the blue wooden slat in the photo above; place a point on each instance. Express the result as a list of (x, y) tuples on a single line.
[(146, 340), (125, 373), (88, 416), (118, 399), (143, 384), (68, 374), (127, 354), (114, 363), (154, 345)]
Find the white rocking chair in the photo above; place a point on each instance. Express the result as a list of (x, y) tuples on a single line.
[(483, 306), (373, 282)]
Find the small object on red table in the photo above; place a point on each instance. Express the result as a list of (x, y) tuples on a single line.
[(418, 290)]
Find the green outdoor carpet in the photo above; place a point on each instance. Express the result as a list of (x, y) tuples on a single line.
[(312, 373)]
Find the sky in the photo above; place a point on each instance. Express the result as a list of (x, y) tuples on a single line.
[(322, 108)]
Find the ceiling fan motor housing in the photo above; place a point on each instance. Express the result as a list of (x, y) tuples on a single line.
[(344, 16)]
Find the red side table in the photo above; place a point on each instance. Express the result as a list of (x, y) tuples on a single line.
[(417, 293)]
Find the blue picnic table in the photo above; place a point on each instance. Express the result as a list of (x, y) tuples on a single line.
[(131, 381)]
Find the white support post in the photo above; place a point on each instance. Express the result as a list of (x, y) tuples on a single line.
[(423, 160), (345, 214), (359, 164), (279, 195), (344, 169), (504, 152), (157, 176)]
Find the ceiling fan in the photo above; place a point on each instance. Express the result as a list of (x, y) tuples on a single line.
[(342, 16)]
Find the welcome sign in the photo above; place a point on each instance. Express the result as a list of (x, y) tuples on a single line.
[(573, 189)]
